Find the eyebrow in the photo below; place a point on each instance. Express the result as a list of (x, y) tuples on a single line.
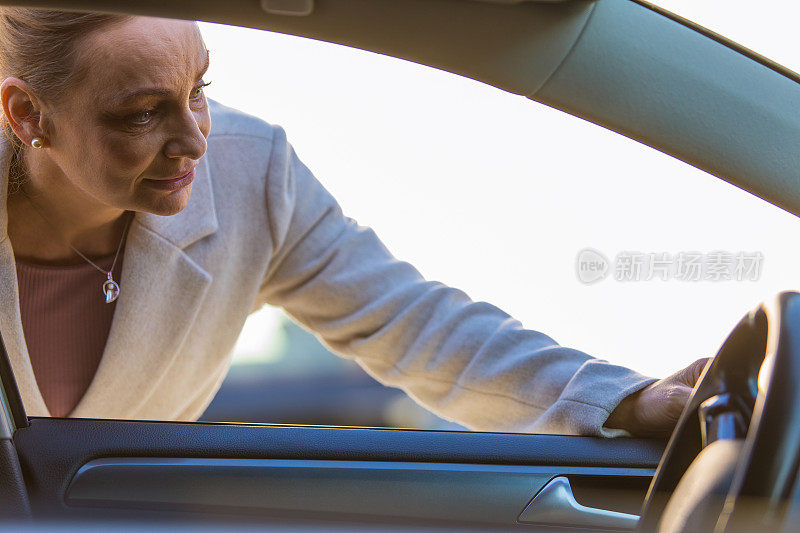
[(138, 93)]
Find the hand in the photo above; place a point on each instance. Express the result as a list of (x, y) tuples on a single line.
[(654, 410)]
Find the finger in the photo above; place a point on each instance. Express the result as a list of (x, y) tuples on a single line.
[(677, 402), (691, 373)]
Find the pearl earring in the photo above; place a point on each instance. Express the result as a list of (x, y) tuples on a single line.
[(37, 142)]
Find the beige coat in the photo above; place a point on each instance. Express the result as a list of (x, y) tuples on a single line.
[(260, 229)]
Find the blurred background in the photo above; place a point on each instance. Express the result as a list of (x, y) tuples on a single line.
[(496, 195), (283, 375)]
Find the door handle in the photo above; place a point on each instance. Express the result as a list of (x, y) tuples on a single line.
[(556, 505)]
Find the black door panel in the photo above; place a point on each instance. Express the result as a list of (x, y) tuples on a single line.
[(345, 472), (493, 494)]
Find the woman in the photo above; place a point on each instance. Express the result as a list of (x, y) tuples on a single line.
[(139, 238)]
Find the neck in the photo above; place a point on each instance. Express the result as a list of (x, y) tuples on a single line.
[(48, 215)]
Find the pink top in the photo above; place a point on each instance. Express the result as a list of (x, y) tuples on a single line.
[(66, 321)]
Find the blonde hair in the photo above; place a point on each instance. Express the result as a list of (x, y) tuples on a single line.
[(40, 47)]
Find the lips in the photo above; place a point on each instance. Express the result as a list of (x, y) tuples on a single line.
[(174, 182), (177, 176)]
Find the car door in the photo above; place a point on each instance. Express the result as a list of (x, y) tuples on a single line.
[(64, 468), (620, 64)]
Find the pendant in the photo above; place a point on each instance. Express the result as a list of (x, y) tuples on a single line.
[(110, 289)]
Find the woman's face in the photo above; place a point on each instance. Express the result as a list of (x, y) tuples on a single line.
[(138, 118)]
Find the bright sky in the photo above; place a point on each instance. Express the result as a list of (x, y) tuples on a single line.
[(496, 195)]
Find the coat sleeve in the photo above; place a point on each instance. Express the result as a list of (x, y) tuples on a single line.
[(467, 361)]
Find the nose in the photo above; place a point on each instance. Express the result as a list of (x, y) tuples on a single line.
[(188, 139)]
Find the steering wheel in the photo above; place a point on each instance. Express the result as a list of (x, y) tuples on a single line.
[(732, 461)]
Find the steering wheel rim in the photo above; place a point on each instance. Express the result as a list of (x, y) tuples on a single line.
[(748, 394)]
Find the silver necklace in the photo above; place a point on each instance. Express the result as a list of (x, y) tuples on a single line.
[(110, 287)]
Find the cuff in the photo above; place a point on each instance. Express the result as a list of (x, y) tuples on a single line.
[(585, 404)]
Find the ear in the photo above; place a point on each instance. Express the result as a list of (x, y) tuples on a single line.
[(21, 108)]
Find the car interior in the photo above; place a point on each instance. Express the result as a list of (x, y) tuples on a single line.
[(730, 465)]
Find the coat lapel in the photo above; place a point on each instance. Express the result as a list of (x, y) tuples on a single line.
[(10, 317), (161, 291)]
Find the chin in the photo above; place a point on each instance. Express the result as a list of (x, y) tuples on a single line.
[(170, 204)]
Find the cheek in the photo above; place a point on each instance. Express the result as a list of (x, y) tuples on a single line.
[(104, 162), (127, 159)]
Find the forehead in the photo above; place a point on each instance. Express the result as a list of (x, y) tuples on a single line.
[(143, 52)]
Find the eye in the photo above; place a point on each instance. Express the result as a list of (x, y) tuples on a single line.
[(198, 91), (141, 118)]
